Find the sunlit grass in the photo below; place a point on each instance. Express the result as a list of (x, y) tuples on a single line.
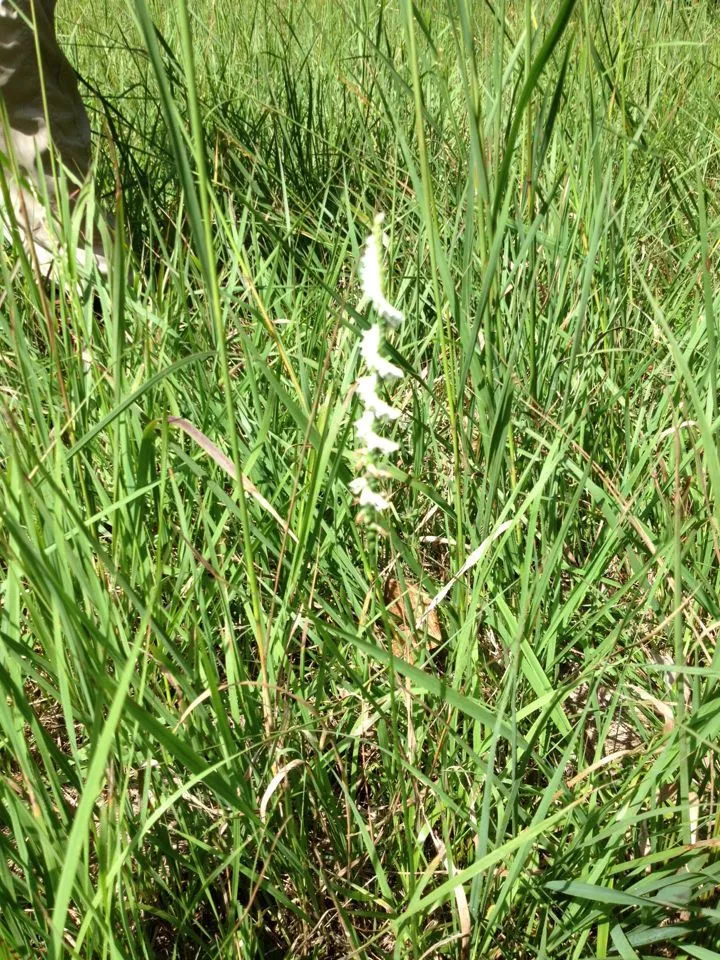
[(237, 723)]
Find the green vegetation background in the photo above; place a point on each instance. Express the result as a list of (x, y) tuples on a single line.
[(227, 730)]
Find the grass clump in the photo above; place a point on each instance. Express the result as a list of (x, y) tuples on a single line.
[(235, 722)]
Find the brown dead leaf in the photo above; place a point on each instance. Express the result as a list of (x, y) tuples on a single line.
[(407, 608)]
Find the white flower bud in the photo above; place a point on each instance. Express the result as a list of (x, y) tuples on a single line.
[(370, 352), (365, 427), (371, 277), (367, 497), (367, 391)]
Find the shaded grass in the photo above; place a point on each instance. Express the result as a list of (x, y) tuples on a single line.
[(537, 781)]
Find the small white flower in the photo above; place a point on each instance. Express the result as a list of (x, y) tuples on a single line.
[(366, 487), (370, 352), (367, 497), (365, 427), (371, 277), (367, 391)]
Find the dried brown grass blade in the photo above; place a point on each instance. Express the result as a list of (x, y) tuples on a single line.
[(407, 610), (226, 464), (474, 558)]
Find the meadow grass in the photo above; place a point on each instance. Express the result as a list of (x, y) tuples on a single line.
[(230, 727)]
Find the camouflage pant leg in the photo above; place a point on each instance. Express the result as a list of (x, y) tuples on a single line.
[(39, 105)]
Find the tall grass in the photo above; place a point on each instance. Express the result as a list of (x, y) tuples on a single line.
[(234, 723)]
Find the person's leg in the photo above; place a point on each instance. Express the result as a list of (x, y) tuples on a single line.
[(28, 85)]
